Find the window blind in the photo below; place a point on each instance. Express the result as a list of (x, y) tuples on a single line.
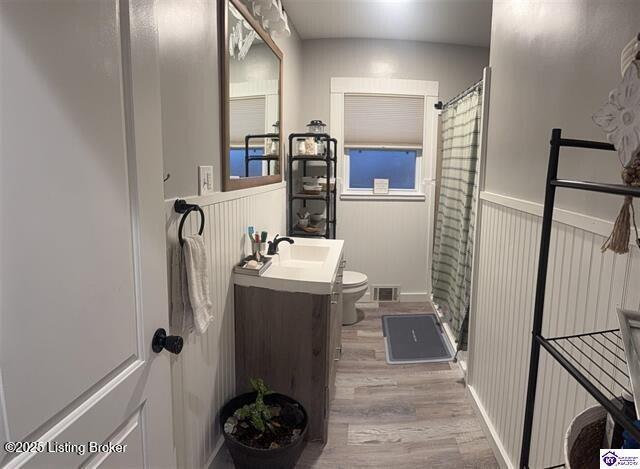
[(246, 117), (383, 120)]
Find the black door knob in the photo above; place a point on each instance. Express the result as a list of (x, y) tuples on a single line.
[(172, 343)]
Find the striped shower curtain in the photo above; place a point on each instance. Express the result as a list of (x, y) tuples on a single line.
[(453, 241)]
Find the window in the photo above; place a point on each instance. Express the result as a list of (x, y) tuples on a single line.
[(238, 168), (246, 117), (383, 137), (367, 164)]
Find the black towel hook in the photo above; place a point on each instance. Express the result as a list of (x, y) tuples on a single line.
[(181, 206)]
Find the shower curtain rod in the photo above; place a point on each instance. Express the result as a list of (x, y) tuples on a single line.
[(458, 97)]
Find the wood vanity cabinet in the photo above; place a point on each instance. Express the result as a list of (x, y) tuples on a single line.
[(293, 342)]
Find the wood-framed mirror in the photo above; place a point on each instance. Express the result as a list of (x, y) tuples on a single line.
[(251, 100)]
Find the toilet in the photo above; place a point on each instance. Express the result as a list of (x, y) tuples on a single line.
[(354, 286)]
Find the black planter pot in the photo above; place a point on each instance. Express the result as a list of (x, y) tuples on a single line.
[(246, 457)]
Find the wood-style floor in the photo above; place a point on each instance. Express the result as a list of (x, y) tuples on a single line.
[(397, 416)]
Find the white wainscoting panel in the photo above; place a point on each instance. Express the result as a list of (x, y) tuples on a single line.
[(584, 287), (388, 241), (203, 374)]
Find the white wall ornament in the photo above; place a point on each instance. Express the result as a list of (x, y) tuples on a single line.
[(620, 116), (272, 16), (629, 53), (620, 119), (241, 36), (240, 41)]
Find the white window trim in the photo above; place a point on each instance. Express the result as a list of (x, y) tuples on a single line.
[(425, 164), (240, 146)]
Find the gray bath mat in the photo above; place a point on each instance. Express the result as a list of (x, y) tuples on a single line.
[(415, 338)]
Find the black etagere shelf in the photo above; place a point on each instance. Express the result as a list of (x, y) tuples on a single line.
[(327, 229), (261, 158), (595, 359)]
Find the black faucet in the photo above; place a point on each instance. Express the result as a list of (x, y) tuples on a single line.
[(273, 245)]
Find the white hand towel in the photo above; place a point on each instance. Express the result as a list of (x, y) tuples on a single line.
[(196, 265), (181, 318)]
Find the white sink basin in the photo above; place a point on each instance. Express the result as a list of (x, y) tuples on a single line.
[(301, 256), (309, 265)]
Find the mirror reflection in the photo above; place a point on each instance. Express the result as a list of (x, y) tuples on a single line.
[(254, 102)]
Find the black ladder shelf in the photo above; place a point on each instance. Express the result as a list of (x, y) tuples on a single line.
[(580, 354), (267, 157), (328, 196)]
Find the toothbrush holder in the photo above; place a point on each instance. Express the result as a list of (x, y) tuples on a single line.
[(258, 249)]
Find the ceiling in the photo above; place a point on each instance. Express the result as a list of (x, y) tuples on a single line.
[(462, 22)]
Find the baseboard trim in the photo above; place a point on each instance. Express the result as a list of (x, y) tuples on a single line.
[(215, 453), (497, 447), (420, 297)]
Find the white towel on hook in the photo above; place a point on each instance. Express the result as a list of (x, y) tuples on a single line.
[(181, 318), (196, 264)]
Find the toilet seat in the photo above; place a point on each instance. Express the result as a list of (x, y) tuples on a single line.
[(353, 279)]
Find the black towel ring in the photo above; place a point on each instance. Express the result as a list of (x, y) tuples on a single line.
[(181, 206)]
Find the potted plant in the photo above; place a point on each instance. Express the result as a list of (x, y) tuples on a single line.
[(264, 429)]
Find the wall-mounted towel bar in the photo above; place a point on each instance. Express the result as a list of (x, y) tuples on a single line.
[(181, 206)]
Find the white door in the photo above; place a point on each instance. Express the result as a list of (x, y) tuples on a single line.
[(83, 270)]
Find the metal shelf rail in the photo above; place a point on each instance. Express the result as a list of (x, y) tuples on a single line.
[(266, 157), (329, 196), (596, 359)]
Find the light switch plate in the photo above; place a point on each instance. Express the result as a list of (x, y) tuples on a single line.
[(205, 180)]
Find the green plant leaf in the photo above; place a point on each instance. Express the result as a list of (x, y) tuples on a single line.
[(258, 414), (243, 412), (254, 383), (258, 385), (230, 425), (257, 423)]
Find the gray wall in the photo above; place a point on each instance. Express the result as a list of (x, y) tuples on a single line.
[(405, 222), (553, 64), (260, 63), (190, 94), (455, 67)]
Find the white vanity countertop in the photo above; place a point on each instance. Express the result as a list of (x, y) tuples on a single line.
[(307, 266)]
